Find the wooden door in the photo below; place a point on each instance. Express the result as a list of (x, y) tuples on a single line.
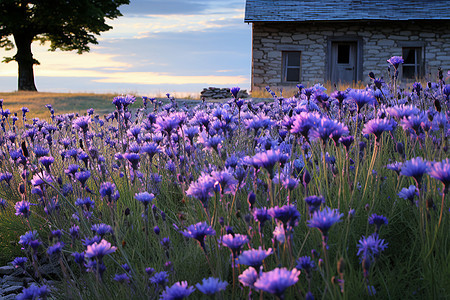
[(343, 62)]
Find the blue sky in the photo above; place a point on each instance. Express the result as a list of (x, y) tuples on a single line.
[(156, 47)]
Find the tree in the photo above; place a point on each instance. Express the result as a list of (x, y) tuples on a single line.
[(67, 24)]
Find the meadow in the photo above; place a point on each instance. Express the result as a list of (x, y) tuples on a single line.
[(328, 194)]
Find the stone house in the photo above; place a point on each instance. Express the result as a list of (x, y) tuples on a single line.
[(343, 40)]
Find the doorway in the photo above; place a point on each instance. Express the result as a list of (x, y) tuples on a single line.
[(343, 64)]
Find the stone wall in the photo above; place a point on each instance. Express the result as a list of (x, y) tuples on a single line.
[(379, 41)]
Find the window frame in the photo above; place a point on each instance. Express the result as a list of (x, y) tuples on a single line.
[(418, 62), (285, 66)]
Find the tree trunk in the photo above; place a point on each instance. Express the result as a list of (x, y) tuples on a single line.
[(25, 60)]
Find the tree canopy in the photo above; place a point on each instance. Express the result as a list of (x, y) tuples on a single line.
[(67, 24)]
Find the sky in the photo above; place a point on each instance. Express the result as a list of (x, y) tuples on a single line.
[(156, 47)]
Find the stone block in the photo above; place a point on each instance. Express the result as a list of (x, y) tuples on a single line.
[(427, 34), (286, 39)]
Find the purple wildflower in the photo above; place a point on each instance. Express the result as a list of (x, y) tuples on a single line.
[(225, 180), (248, 277), (102, 229), (396, 167), (55, 249), (33, 292), (98, 250), (277, 281), (314, 203), (234, 242), (378, 221), (82, 123), (369, 248), (361, 98), (122, 278), (199, 231), (109, 191), (378, 126), (441, 172), (254, 257), (269, 159), (202, 189), (19, 262), (179, 290), (395, 61), (416, 168), (324, 219), (306, 264), (287, 214), (160, 279), (23, 208), (83, 176), (211, 285), (145, 198)]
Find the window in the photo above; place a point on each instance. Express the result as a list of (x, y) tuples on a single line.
[(413, 63), (291, 66)]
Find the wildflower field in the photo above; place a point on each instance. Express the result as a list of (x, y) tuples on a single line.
[(324, 195)]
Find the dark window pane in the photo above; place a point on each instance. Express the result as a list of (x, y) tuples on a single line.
[(293, 74), (293, 59), (409, 55), (409, 72), (343, 54)]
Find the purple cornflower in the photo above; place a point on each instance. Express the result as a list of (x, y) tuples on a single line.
[(29, 239), (254, 257), (369, 249), (178, 291), (55, 249), (234, 242), (19, 262), (314, 203), (23, 208), (248, 277), (102, 229), (82, 123), (361, 98), (324, 219), (40, 151), (78, 257), (133, 158), (74, 232), (279, 233), (109, 191), (395, 61), (401, 111), (98, 250), (416, 168), (167, 124), (328, 128), (160, 279), (86, 202), (46, 161), (396, 167), (261, 215), (83, 176), (151, 149), (33, 292), (121, 102), (199, 231), (3, 204), (414, 122), (303, 123), (122, 278), (306, 264), (269, 159), (211, 285), (340, 96), (211, 143), (287, 214), (234, 91), (225, 180), (277, 281), (378, 221), (378, 126), (202, 189), (441, 171), (145, 198), (71, 169)]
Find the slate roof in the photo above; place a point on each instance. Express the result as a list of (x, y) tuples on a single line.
[(345, 10)]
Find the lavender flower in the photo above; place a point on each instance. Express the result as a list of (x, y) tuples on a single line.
[(160, 279), (277, 281), (361, 98), (378, 126), (83, 176), (19, 262), (122, 278), (109, 191), (82, 123), (202, 189), (314, 203), (288, 214), (269, 159)]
